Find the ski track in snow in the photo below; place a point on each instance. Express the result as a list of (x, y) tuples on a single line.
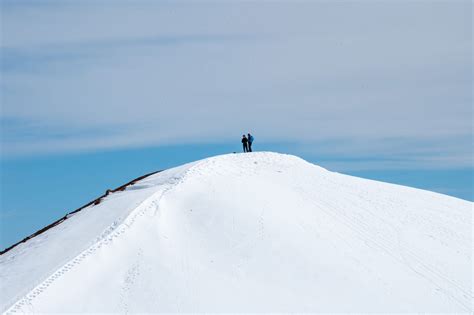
[(400, 253), (108, 235)]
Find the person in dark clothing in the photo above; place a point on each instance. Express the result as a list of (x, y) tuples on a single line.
[(250, 140), (245, 142)]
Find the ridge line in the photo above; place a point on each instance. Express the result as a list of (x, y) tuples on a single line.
[(65, 217)]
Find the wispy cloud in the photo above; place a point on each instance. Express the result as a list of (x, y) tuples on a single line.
[(44, 57), (345, 77)]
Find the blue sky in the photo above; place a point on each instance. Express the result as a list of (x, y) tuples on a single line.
[(94, 93)]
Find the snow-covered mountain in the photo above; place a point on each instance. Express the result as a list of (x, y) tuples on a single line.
[(250, 232)]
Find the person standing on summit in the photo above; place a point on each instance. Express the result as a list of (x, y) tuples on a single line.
[(250, 140), (245, 142)]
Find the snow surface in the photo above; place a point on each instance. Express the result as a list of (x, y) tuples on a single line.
[(249, 233)]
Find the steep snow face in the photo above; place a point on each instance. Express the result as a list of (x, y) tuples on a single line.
[(249, 233)]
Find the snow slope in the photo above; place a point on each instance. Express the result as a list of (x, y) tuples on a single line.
[(249, 233)]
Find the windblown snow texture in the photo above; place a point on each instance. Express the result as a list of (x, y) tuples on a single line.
[(248, 233)]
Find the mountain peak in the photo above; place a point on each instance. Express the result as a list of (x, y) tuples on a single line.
[(248, 233)]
